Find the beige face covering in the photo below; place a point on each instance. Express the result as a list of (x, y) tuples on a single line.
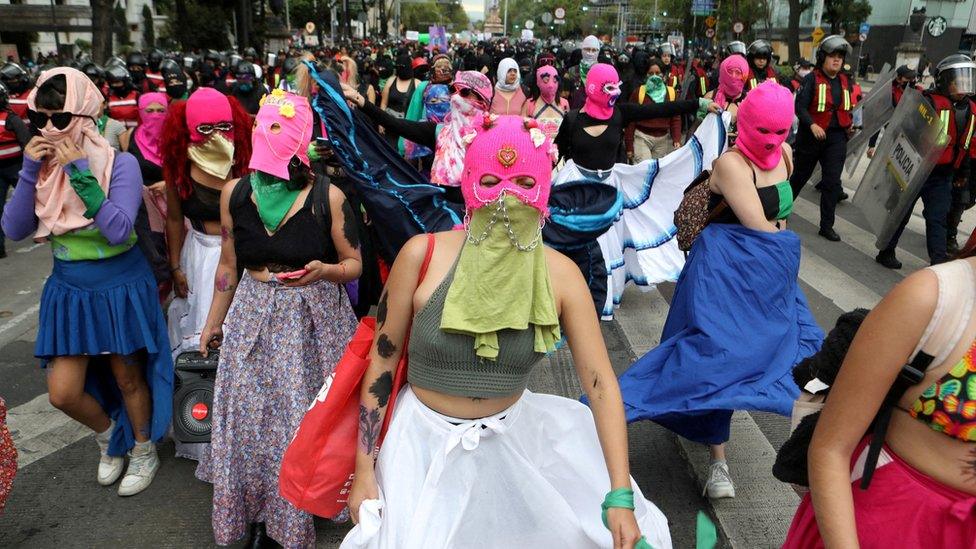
[(214, 156)]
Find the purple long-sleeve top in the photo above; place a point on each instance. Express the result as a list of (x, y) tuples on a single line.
[(114, 219)]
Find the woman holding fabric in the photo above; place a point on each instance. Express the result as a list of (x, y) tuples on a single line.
[(508, 97), (205, 143), (490, 302), (738, 321), (287, 322), (101, 332)]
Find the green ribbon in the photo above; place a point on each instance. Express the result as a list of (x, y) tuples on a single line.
[(101, 122), (88, 189), (273, 198), (622, 498)]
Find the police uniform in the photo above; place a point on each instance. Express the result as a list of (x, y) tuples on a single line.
[(827, 102)]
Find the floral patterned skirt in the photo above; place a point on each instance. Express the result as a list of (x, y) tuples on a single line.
[(279, 345), (8, 457)]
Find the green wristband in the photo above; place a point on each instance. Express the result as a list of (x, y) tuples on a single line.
[(622, 498), (88, 189), (313, 154)]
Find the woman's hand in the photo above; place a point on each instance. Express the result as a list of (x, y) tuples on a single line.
[(363, 488), (317, 271), (714, 108), (355, 98), (180, 286), (158, 188), (67, 152), (38, 148), (210, 339), (623, 526)]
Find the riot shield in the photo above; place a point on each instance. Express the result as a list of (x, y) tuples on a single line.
[(905, 156), (686, 83), (876, 108)]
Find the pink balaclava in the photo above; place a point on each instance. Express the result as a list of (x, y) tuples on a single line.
[(150, 128), (282, 130), (471, 98), (207, 106), (602, 91), (547, 90), (764, 121), (509, 148), (732, 74)]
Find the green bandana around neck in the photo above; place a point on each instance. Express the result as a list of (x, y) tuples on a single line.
[(273, 198), (497, 286), (584, 69), (655, 88), (101, 122)]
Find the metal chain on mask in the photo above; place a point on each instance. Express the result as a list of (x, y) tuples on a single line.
[(506, 220)]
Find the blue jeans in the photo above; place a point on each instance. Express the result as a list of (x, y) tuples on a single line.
[(936, 195)]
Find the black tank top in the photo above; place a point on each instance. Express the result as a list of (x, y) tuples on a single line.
[(299, 240), (597, 152), (398, 100), (202, 205), (151, 173)]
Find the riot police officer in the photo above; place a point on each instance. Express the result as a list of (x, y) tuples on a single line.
[(823, 106), (19, 86), (954, 83), (123, 97), (760, 57)]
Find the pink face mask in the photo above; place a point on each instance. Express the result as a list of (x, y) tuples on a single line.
[(547, 78), (764, 121), (731, 78), (282, 130), (208, 111), (150, 128), (602, 91), (519, 158)]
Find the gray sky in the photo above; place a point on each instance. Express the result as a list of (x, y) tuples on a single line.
[(475, 9)]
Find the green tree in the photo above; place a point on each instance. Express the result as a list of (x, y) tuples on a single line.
[(148, 29), (101, 29), (797, 7), (121, 26), (846, 16), (199, 24)]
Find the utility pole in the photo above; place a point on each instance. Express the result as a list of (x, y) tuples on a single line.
[(287, 17), (505, 20)]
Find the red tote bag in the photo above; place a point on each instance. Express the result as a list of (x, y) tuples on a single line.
[(319, 464)]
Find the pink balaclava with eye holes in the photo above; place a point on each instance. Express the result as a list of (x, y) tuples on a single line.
[(764, 121), (602, 91), (509, 147), (282, 130), (207, 106)]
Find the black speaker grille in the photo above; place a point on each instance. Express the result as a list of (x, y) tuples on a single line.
[(189, 424)]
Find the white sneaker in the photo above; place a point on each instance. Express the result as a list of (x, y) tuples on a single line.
[(143, 464), (109, 467), (719, 483)]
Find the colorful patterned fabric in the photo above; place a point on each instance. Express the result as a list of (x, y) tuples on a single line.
[(280, 344), (8, 457), (949, 405)]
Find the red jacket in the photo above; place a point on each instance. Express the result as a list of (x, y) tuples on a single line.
[(9, 146), (752, 81), (821, 107), (652, 126), (959, 144), (125, 109), (18, 104)]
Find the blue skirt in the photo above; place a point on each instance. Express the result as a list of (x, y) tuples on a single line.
[(738, 324), (109, 306)]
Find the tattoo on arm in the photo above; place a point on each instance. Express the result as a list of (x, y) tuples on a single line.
[(385, 347), (381, 310), (369, 429), (350, 229), (969, 466), (226, 234), (223, 283), (382, 387)]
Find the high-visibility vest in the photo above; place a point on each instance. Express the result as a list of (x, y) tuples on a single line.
[(959, 145), (18, 104), (822, 106), (125, 109), (9, 146)]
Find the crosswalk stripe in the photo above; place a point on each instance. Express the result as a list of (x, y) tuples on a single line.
[(39, 429), (834, 284)]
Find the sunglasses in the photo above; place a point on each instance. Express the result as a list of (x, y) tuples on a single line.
[(207, 129), (61, 120)]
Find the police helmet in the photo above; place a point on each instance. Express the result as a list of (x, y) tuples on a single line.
[(760, 48), (955, 74), (834, 43), (736, 46)]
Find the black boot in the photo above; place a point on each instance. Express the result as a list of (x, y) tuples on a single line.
[(829, 233), (261, 539), (887, 258)]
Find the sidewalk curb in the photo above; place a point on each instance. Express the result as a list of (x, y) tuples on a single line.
[(761, 512)]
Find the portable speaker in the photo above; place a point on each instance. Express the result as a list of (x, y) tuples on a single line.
[(193, 391)]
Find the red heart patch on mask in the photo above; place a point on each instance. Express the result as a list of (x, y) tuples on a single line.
[(507, 156)]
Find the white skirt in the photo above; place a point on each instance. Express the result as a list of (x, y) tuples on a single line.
[(641, 246), (530, 476), (187, 316)]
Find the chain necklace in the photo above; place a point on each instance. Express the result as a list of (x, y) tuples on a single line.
[(506, 220)]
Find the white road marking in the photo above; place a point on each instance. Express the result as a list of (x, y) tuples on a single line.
[(39, 429)]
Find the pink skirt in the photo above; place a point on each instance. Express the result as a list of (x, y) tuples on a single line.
[(901, 508)]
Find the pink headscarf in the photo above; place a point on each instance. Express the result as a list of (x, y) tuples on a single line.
[(732, 74), (602, 91), (271, 152), (459, 122), (768, 107), (150, 128), (508, 148), (58, 208)]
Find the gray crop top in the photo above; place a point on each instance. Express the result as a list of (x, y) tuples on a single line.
[(446, 362)]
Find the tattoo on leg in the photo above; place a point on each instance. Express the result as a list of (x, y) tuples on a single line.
[(225, 234), (223, 283), (369, 429), (385, 347), (382, 387), (144, 430), (969, 465), (381, 310), (132, 360), (350, 229)]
